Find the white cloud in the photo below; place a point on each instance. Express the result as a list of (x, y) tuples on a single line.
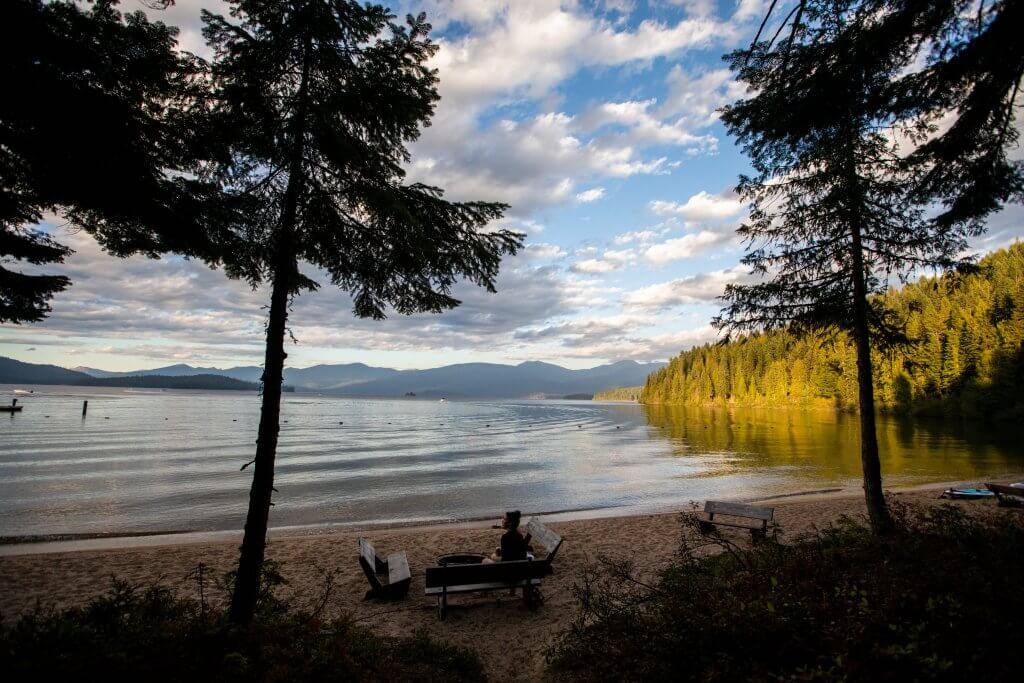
[(586, 331), (671, 343), (695, 97), (622, 337), (610, 260), (684, 247), (608, 46), (640, 236), (528, 164), (623, 7), (544, 251), (516, 52), (701, 207), (700, 8), (583, 291), (619, 256), (591, 195), (527, 47), (694, 288), (593, 266), (749, 9), (642, 126)]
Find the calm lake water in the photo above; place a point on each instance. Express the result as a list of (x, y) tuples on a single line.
[(146, 461)]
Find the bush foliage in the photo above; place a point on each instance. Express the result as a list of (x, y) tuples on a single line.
[(941, 598), (136, 633)]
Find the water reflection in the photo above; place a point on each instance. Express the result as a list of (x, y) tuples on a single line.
[(825, 445)]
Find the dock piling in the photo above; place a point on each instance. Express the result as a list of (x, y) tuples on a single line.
[(85, 407)]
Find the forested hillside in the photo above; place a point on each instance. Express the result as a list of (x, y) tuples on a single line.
[(966, 356), (619, 394)]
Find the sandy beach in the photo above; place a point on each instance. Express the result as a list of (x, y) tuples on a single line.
[(483, 622)]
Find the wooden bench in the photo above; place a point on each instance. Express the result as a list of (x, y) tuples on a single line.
[(1007, 496), (477, 578), (390, 579), (741, 516)]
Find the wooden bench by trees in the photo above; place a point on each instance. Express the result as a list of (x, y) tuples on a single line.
[(389, 579), (1007, 496), (477, 578), (754, 518)]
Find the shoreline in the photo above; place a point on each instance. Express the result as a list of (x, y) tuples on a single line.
[(44, 544), (312, 561)]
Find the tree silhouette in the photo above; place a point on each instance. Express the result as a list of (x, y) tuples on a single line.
[(90, 127), (961, 102), (311, 106), (832, 213), (25, 297)]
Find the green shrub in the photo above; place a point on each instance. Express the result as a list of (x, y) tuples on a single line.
[(148, 634), (939, 599)]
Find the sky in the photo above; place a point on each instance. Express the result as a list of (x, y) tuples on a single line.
[(595, 120)]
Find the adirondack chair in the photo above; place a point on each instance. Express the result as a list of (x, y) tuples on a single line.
[(547, 538), (389, 579), (752, 517)]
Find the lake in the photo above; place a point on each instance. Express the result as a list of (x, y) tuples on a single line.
[(161, 461)]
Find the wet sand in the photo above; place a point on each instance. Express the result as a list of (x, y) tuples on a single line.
[(482, 621)]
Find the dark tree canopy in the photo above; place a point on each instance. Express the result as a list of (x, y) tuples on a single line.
[(25, 297), (820, 141), (92, 127), (974, 63), (315, 102)]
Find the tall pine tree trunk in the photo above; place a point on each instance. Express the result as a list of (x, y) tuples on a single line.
[(878, 512), (250, 563), (254, 541)]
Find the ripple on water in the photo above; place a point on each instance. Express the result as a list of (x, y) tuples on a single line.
[(170, 460)]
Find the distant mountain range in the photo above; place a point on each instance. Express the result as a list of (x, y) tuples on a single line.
[(17, 372), (317, 377), (465, 380), (203, 381)]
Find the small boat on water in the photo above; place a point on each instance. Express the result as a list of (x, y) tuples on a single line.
[(443, 400), (23, 392)]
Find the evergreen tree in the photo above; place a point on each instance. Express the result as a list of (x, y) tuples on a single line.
[(87, 129), (830, 217), (313, 103), (25, 297)]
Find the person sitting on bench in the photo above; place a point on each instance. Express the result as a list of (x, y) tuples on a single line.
[(514, 546)]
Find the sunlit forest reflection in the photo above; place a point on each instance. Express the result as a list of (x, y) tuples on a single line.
[(824, 443)]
